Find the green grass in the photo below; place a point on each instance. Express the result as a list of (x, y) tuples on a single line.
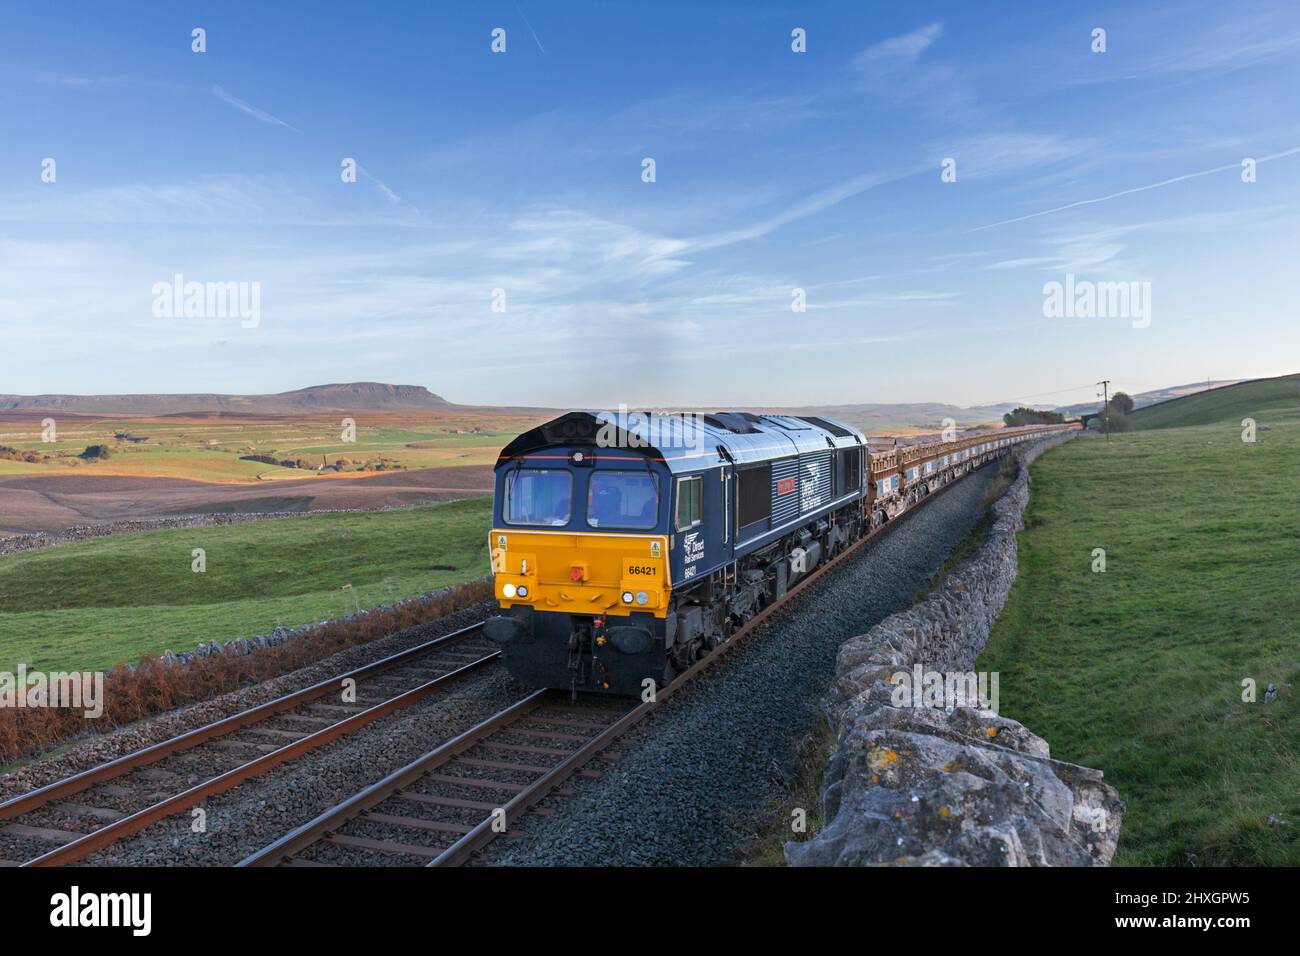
[(1138, 670), (95, 603), (1227, 404)]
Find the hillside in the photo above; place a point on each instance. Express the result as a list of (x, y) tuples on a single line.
[(1137, 666), (345, 397), (1256, 399), (1143, 399)]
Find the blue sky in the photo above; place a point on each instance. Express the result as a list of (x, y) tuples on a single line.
[(774, 170)]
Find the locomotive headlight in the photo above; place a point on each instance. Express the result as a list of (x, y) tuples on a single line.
[(641, 597), (522, 590), (627, 597), (508, 590)]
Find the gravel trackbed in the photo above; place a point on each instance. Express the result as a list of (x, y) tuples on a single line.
[(689, 790)]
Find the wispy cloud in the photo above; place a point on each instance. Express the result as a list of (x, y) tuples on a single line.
[(896, 70), (899, 50), (997, 153), (77, 80), (817, 202), (272, 201), (1225, 39), (250, 109)]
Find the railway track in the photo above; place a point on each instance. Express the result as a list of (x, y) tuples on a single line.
[(447, 805), (67, 820), (443, 806)]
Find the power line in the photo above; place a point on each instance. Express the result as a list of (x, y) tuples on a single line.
[(1059, 391), (1077, 388)]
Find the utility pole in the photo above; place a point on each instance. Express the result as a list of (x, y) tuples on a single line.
[(1105, 408)]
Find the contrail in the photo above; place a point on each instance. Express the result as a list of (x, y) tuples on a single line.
[(1136, 189), (530, 28), (251, 110)]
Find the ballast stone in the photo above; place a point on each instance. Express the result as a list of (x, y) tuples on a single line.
[(959, 787)]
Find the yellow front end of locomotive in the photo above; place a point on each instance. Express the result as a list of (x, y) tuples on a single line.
[(583, 573)]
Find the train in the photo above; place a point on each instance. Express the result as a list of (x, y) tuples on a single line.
[(626, 546)]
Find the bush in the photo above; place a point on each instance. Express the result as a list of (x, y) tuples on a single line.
[(95, 453), (1032, 416), (17, 454)]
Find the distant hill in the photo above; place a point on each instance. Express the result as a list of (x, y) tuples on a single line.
[(1231, 403), (874, 417), (379, 397), (349, 397), (1142, 399)]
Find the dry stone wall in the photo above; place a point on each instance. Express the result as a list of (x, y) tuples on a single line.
[(924, 772)]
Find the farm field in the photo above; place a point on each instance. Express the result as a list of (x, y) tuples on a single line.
[(1138, 670), (210, 448), (196, 465), (92, 604), (56, 502)]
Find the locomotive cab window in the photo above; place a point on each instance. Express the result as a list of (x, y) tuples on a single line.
[(538, 496), (753, 497), (690, 502), (623, 499)]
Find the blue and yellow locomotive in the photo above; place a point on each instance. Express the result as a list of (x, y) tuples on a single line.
[(624, 548)]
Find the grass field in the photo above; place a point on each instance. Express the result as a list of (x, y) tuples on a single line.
[(95, 603), (1138, 670)]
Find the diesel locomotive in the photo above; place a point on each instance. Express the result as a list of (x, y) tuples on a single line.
[(622, 550)]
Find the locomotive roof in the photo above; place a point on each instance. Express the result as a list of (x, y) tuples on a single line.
[(688, 441)]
